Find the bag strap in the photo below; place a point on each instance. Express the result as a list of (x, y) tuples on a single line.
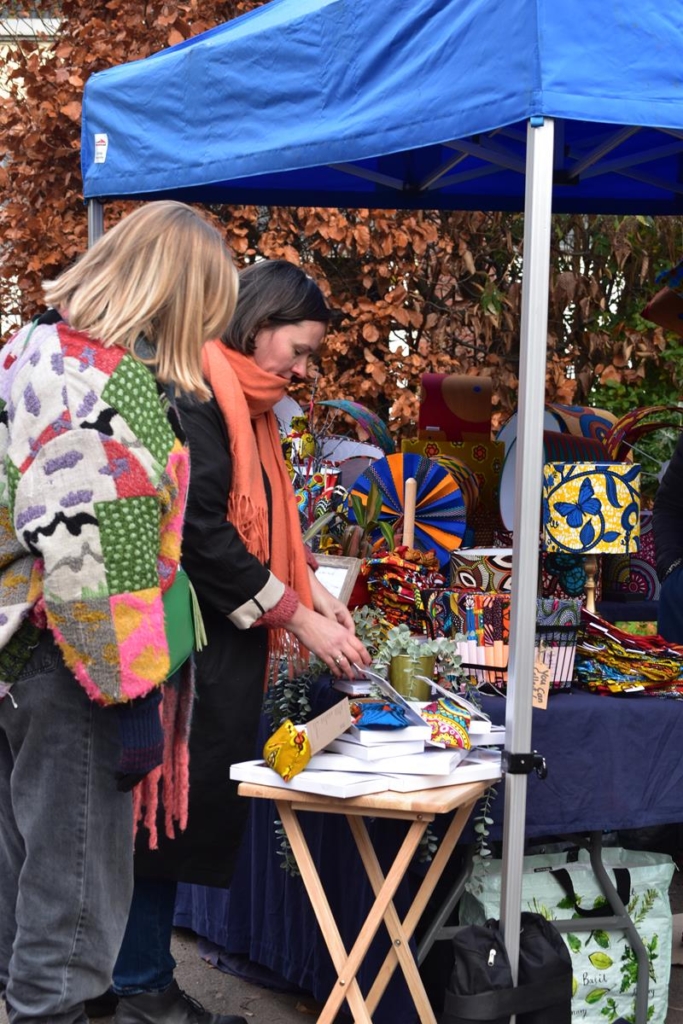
[(200, 637), (504, 1002), (622, 878)]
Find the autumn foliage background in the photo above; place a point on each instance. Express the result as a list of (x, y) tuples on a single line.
[(414, 291)]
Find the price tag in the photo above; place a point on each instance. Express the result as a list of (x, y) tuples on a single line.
[(541, 684)]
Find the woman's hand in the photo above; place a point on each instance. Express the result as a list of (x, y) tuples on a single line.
[(329, 605), (330, 640)]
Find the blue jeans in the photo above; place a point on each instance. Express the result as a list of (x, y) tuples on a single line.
[(66, 844), (145, 962)]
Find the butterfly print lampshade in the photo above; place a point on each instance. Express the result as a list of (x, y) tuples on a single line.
[(591, 508)]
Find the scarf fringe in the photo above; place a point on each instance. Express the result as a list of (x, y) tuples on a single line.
[(169, 783), (284, 646), (251, 522)]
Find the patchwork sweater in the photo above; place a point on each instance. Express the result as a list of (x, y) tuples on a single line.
[(93, 483)]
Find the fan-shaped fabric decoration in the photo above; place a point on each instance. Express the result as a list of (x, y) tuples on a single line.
[(375, 428), (440, 511), (583, 421), (630, 427), (466, 479)]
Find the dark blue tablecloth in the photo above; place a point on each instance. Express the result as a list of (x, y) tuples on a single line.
[(613, 763)]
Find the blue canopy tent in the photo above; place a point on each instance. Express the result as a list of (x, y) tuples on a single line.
[(458, 104), (400, 103)]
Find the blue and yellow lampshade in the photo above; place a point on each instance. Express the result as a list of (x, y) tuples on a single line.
[(591, 507)]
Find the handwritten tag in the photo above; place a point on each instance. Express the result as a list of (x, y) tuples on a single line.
[(541, 686), (326, 727)]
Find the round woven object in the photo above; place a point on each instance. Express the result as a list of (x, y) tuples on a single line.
[(440, 510)]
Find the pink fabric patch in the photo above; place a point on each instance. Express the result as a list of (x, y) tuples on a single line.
[(144, 652)]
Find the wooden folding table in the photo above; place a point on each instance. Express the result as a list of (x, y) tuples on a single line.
[(419, 808)]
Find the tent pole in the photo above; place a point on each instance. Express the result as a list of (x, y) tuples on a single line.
[(95, 221), (527, 514)]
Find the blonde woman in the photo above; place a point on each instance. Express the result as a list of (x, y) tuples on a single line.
[(93, 480)]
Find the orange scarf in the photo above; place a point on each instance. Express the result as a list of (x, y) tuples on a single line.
[(246, 395)]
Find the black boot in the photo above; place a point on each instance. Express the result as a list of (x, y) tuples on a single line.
[(102, 1006), (172, 1006)]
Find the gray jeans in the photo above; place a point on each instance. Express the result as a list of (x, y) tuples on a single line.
[(66, 845)]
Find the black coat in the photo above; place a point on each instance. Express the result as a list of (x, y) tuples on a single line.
[(667, 519), (230, 671)]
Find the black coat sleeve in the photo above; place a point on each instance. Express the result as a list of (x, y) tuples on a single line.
[(223, 572), (667, 519)]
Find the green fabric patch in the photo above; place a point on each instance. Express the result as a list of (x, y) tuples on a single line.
[(17, 652), (129, 534), (132, 391), (13, 478)]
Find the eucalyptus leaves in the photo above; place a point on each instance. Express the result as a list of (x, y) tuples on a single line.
[(401, 641)]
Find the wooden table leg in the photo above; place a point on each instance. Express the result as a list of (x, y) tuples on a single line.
[(347, 965), (436, 868), (400, 941), (321, 908)]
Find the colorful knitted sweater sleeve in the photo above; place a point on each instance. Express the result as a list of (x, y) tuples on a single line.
[(93, 485)]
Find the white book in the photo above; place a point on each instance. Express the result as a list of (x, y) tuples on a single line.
[(495, 737), (347, 744), (340, 784), (354, 687), (478, 726), (430, 762), (467, 771)]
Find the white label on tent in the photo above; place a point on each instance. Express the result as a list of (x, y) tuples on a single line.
[(101, 144)]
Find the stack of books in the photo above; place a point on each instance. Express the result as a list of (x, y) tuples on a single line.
[(404, 759)]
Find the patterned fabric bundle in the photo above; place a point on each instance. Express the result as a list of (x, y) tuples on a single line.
[(396, 586), (370, 713), (288, 750), (450, 724), (608, 660), (447, 611)]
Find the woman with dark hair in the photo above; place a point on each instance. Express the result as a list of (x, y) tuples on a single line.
[(260, 602)]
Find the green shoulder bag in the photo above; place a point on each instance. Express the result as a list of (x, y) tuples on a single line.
[(183, 621)]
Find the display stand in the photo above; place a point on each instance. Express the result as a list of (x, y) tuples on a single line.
[(419, 809)]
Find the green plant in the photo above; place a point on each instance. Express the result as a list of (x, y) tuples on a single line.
[(288, 860), (371, 628), (400, 640), (289, 698), (482, 821), (357, 537)]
